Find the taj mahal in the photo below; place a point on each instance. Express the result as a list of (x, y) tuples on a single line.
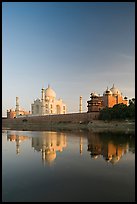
[(48, 103)]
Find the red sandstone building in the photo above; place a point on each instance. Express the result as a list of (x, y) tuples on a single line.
[(12, 113), (110, 98), (17, 112)]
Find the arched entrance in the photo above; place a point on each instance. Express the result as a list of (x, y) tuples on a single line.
[(58, 109), (37, 109)]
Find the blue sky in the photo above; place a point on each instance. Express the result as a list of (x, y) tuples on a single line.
[(77, 48)]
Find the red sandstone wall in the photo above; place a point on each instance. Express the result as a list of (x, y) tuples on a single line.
[(125, 102), (121, 100), (43, 121), (73, 117), (111, 101), (11, 114)]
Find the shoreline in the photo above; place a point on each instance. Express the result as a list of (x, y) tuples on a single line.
[(94, 125)]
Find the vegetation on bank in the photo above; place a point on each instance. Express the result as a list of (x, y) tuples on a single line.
[(119, 111)]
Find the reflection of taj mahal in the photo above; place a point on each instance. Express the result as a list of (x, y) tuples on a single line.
[(49, 144)]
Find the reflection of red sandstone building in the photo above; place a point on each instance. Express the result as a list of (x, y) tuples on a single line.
[(17, 139), (110, 98), (111, 152), (13, 138)]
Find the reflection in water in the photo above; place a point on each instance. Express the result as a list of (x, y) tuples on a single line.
[(48, 143), (110, 151), (18, 139), (81, 145), (74, 177)]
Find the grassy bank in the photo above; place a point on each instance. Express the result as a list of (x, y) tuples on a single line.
[(99, 126)]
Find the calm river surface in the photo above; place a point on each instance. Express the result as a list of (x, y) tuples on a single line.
[(67, 166)]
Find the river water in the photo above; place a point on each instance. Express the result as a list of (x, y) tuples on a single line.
[(68, 166)]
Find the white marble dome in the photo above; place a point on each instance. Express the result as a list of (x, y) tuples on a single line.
[(115, 91), (50, 157), (50, 93)]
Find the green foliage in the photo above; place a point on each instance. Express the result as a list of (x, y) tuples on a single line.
[(119, 111)]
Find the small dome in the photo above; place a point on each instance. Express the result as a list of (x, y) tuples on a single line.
[(107, 91), (114, 159), (115, 91), (50, 93), (94, 94), (38, 100)]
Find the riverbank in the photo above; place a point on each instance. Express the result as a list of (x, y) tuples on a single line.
[(94, 125), (100, 126)]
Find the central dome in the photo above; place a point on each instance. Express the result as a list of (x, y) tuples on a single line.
[(50, 157), (115, 91), (49, 92)]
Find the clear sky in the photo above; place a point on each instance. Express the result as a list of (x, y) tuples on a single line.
[(77, 48)]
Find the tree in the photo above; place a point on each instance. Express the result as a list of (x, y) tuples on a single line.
[(119, 111)]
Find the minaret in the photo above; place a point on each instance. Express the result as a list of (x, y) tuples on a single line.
[(80, 104), (43, 101), (81, 146), (17, 106), (43, 154), (17, 145)]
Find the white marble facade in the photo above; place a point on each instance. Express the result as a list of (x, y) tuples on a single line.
[(48, 104)]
